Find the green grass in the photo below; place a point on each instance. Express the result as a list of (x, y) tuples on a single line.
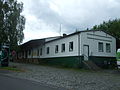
[(118, 59), (12, 69)]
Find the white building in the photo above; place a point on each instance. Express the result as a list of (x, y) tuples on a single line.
[(71, 50)]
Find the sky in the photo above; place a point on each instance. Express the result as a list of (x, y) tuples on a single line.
[(44, 18)]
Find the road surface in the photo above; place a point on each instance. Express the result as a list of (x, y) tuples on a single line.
[(10, 83)]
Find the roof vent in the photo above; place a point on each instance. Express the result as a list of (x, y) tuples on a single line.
[(64, 34)]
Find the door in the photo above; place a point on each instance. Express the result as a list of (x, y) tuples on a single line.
[(86, 52)]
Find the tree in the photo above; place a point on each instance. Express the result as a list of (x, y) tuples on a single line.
[(111, 26), (12, 23)]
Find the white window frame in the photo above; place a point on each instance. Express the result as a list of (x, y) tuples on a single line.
[(71, 46), (108, 47), (48, 50), (63, 47), (100, 47), (56, 48)]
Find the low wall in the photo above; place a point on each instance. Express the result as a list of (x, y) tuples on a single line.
[(72, 61), (24, 60)]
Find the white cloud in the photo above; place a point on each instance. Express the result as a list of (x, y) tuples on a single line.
[(43, 17)]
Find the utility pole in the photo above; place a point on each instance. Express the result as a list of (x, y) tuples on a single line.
[(60, 28)]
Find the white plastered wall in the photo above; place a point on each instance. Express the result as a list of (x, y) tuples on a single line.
[(92, 38), (51, 45)]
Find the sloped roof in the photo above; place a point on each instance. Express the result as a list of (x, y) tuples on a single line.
[(38, 42), (35, 43), (32, 43)]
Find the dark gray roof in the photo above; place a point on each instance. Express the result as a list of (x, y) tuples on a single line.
[(32, 43), (35, 43), (38, 42)]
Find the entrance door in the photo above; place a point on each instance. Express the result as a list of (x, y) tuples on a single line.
[(86, 52)]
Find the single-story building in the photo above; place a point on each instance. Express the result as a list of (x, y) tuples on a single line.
[(71, 50)]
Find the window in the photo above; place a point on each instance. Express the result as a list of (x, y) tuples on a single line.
[(56, 49), (100, 47), (63, 47), (41, 51), (108, 49), (70, 46), (47, 50)]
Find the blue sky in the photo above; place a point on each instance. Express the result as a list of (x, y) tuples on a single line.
[(43, 17)]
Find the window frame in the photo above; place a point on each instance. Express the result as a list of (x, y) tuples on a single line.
[(63, 47), (71, 46), (48, 50), (99, 47), (56, 48), (108, 51)]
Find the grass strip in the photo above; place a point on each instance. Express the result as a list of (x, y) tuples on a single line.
[(12, 69)]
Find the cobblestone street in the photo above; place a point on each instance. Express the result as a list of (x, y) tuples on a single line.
[(67, 78)]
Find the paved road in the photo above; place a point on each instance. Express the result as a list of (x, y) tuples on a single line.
[(10, 83)]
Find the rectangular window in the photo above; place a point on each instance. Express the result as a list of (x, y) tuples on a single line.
[(48, 50), (56, 49), (41, 51), (63, 47), (100, 47), (70, 46), (108, 48)]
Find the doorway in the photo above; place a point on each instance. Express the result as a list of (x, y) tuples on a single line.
[(86, 52)]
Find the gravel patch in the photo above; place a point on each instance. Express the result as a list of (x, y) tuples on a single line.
[(70, 79)]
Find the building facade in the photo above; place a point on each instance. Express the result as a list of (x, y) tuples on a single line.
[(71, 50)]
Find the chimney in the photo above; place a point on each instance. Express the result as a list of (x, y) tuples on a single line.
[(64, 34)]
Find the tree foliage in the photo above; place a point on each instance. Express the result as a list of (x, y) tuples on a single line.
[(111, 26), (12, 23)]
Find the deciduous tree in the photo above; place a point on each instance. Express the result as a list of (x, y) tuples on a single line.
[(12, 23), (111, 26)]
